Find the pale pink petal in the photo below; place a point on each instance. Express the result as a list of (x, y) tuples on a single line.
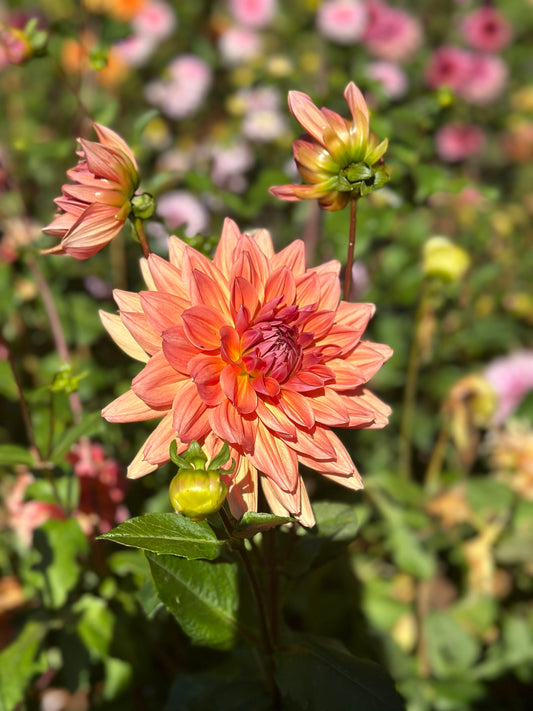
[(129, 408), (122, 337)]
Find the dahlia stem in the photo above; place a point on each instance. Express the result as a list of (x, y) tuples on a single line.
[(139, 231), (411, 383), (351, 246)]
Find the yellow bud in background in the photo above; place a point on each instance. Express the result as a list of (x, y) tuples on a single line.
[(197, 493), (443, 259)]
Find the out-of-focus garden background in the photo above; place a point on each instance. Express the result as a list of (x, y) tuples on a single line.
[(429, 570)]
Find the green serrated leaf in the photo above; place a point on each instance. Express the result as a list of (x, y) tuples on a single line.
[(314, 674), (202, 596), (253, 522), (19, 663), (169, 534), (12, 454), (88, 426)]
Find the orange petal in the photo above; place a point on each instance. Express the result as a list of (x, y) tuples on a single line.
[(307, 114), (122, 336), (275, 459), (157, 382), (356, 100), (226, 247), (139, 327), (202, 326), (110, 138), (297, 408), (178, 349), (228, 424), (190, 413), (129, 408), (167, 278), (163, 311), (205, 373), (281, 283)]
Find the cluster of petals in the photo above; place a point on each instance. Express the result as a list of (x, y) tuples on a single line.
[(95, 206), (254, 349), (253, 13), (183, 90), (23, 516), (458, 141), (331, 145), (478, 78), (486, 29), (511, 376), (391, 33), (342, 21)]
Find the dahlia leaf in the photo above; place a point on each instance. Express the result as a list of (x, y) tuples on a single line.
[(19, 662), (202, 596), (167, 533), (253, 522), (316, 673)]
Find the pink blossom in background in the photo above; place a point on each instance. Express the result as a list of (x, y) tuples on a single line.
[(391, 33), (229, 163), (512, 378), (342, 21), (135, 50), (263, 120), (486, 29), (458, 141), (102, 489), (181, 208), (183, 92), (155, 19), (239, 44), (23, 517), (253, 13), (486, 79), (448, 66), (391, 77)]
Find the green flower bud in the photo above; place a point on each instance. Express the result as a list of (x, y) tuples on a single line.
[(196, 493), (445, 260), (143, 206)]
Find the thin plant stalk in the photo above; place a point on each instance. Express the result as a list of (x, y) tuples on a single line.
[(351, 246), (139, 231)]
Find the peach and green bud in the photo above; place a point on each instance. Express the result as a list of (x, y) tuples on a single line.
[(444, 260), (143, 206)]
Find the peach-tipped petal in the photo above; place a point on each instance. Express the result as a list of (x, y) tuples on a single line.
[(255, 350), (333, 152), (94, 208)]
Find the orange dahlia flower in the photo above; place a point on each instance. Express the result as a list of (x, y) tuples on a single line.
[(94, 209), (338, 159), (254, 349)]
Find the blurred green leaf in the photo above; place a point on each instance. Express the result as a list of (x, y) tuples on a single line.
[(95, 624), (19, 662), (252, 522), (12, 454), (87, 427), (336, 520), (167, 533), (202, 596), (314, 674), (451, 650), (59, 543)]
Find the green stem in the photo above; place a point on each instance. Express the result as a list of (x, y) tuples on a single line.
[(351, 246), (139, 231), (411, 383)]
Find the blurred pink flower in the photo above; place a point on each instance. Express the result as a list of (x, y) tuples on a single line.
[(15, 47), (94, 209), (102, 489), (457, 141), (229, 163), (254, 349), (254, 13), (156, 19), (342, 21), (263, 120), (23, 517), (239, 44), (391, 33), (182, 93), (486, 79), (486, 29), (391, 77), (512, 378), (183, 208), (135, 50), (448, 66)]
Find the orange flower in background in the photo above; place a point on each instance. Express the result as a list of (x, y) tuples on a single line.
[(338, 159), (253, 349), (94, 209)]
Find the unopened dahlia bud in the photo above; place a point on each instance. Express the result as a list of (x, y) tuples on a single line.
[(197, 489), (197, 493), (445, 260), (143, 206)]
